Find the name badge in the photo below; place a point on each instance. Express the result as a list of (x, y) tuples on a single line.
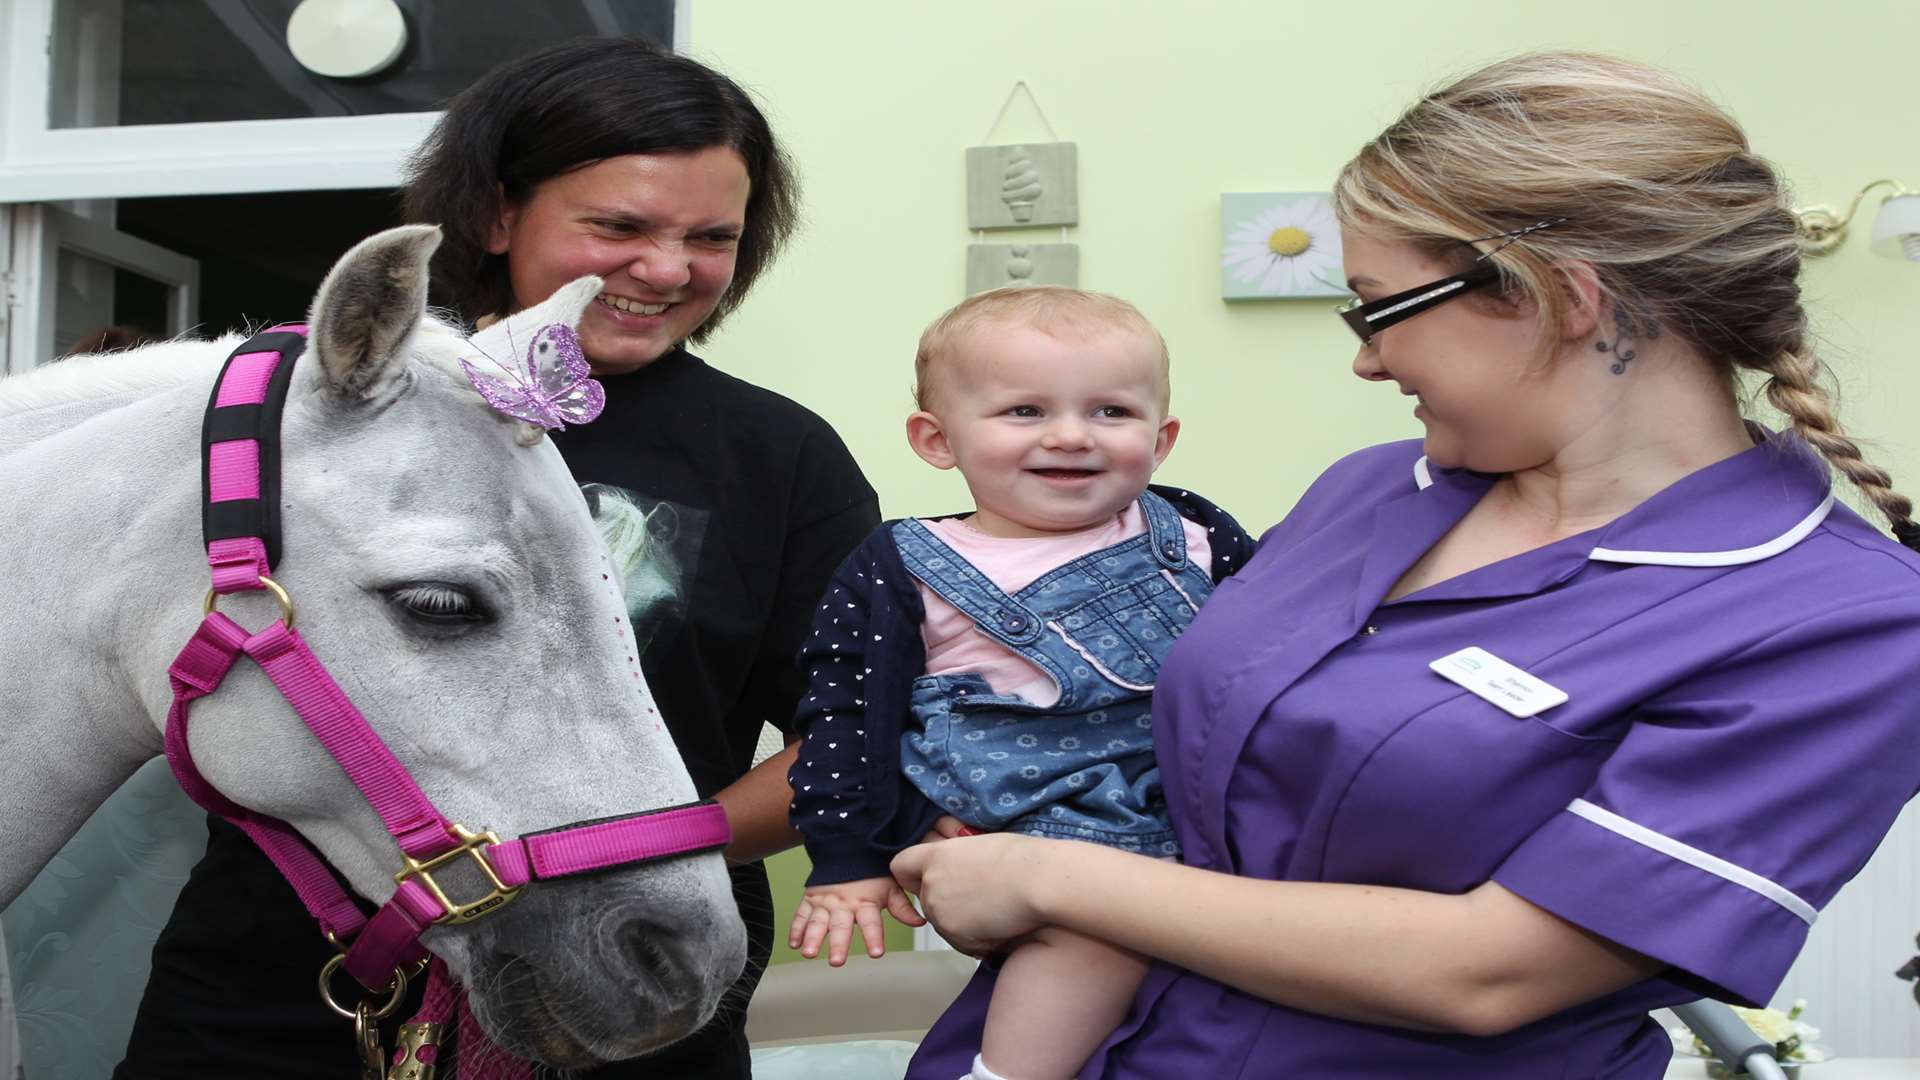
[(1493, 679)]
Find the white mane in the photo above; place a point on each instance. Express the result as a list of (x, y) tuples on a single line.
[(135, 372), (145, 370)]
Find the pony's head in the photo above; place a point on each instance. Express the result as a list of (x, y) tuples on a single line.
[(448, 573)]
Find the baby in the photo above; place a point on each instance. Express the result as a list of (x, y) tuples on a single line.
[(997, 666)]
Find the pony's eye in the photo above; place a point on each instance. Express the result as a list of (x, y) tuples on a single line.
[(438, 603)]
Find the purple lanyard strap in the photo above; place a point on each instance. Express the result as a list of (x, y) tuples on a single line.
[(241, 452)]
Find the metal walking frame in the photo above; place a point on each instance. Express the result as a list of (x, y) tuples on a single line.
[(1730, 1039)]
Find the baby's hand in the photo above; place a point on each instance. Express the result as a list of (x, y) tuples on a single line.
[(832, 911)]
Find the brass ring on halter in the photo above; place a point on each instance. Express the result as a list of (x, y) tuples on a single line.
[(397, 991), (272, 586)]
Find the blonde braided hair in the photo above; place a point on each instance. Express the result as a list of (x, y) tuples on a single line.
[(1793, 387)]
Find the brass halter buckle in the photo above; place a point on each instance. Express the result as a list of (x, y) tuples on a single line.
[(471, 842)]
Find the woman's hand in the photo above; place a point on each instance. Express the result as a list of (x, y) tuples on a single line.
[(977, 890)]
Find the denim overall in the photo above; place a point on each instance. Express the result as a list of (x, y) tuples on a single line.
[(1082, 768)]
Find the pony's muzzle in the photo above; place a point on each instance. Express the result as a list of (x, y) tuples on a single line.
[(607, 968)]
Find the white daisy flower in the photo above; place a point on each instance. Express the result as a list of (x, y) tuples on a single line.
[(1288, 246)]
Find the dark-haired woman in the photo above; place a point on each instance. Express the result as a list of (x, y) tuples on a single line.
[(615, 158)]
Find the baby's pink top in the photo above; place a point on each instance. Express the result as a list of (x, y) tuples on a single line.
[(1013, 563)]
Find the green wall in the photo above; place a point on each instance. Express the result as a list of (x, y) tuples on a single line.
[(1171, 105)]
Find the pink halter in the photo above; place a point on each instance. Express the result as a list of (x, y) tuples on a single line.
[(241, 451)]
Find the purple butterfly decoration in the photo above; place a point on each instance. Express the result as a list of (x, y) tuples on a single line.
[(557, 390)]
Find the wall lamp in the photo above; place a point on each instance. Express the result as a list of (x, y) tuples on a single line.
[(1896, 229)]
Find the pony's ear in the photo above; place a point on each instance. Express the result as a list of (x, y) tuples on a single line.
[(371, 300), (506, 341)]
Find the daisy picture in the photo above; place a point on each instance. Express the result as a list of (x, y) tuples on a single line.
[(1279, 245)]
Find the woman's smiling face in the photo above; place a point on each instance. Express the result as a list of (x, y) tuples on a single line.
[(662, 230)]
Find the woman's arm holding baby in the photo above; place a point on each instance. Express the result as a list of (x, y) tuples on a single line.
[(758, 809), (1482, 962)]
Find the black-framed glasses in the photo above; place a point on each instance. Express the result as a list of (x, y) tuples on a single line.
[(1368, 318)]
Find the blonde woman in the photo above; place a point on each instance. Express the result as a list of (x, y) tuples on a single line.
[(1465, 764)]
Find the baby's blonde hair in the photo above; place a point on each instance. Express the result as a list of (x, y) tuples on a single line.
[(1051, 309), (1642, 176)]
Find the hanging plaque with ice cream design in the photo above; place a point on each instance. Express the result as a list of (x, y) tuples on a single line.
[(1022, 185)]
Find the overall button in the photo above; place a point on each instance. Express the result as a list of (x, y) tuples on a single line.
[(1171, 550), (1013, 624)]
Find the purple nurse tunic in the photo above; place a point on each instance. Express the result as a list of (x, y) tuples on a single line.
[(1741, 659)]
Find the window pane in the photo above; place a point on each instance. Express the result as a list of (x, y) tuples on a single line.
[(99, 307), (83, 299), (126, 62)]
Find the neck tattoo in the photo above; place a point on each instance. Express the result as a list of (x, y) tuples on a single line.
[(1627, 328)]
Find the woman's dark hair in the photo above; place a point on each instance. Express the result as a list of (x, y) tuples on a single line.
[(573, 105)]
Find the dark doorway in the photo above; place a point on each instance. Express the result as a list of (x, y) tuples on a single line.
[(263, 255)]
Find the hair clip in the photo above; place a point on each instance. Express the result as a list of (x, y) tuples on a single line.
[(1514, 236), (558, 389)]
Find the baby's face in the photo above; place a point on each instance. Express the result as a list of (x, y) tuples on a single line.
[(1053, 434)]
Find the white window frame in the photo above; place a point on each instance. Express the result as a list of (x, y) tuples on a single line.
[(39, 163), (39, 234)]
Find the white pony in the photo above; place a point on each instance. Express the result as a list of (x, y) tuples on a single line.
[(450, 578)]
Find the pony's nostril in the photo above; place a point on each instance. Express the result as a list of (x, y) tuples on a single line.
[(642, 943), (661, 966)]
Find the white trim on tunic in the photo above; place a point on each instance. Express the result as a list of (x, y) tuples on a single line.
[(1693, 856)]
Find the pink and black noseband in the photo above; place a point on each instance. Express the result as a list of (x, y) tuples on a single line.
[(240, 447)]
